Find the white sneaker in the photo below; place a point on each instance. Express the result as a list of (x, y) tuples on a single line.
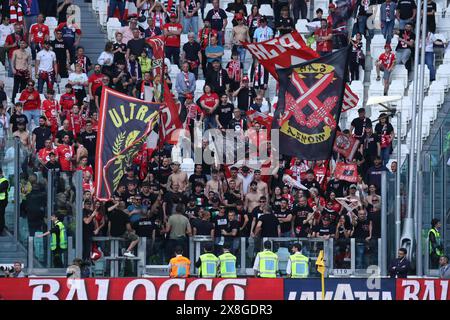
[(129, 254)]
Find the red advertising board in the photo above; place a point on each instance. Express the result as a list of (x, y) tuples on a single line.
[(422, 289), (141, 289)]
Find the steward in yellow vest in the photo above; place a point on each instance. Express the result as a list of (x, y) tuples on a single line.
[(207, 263), (4, 188), (298, 264), (227, 263), (266, 262), (58, 242)]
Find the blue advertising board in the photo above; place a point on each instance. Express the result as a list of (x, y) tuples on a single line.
[(340, 289)]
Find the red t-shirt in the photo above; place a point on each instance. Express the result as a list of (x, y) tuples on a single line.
[(65, 154), (209, 100), (44, 154), (387, 59), (67, 101), (87, 169), (324, 46), (173, 41), (312, 204), (51, 109), (96, 80), (31, 100), (38, 33)]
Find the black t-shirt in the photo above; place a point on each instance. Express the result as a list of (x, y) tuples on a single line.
[(124, 78), (406, 8), (286, 23), (119, 221), (216, 17), (256, 213), (203, 227), (190, 6), (18, 119), (191, 51), (338, 187), (300, 214), (231, 198), (197, 178), (60, 48), (42, 134), (361, 230), (89, 141), (269, 226), (3, 96), (375, 217), (172, 199), (164, 173), (360, 125), (225, 113), (220, 223), (231, 226), (370, 144), (61, 133), (136, 46), (406, 36), (383, 129), (191, 212), (119, 56), (213, 79), (245, 98), (144, 227), (88, 229), (333, 215), (284, 226), (276, 204), (240, 216), (238, 124), (322, 230), (431, 20)]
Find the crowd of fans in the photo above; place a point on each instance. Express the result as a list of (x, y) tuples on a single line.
[(155, 198)]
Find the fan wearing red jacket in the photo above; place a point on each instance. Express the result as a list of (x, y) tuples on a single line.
[(87, 184), (66, 154), (39, 32), (31, 103), (44, 153), (50, 108), (67, 100)]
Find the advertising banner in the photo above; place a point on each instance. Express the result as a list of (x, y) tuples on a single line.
[(340, 289), (422, 289), (140, 289)]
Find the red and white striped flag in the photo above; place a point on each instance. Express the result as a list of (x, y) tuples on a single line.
[(350, 99)]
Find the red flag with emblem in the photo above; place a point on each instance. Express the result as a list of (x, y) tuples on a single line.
[(345, 145), (346, 172)]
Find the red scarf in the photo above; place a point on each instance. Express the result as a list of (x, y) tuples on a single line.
[(234, 70), (16, 14)]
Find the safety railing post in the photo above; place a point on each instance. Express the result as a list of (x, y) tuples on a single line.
[(243, 252), (353, 255), (30, 263)]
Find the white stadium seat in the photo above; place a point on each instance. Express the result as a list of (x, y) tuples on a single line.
[(266, 10)]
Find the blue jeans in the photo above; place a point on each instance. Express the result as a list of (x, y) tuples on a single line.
[(35, 47), (241, 51), (286, 234), (360, 252), (32, 115), (113, 4), (210, 122), (385, 155), (429, 61), (220, 38), (190, 24), (387, 30)]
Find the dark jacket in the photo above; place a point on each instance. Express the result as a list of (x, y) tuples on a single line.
[(399, 268)]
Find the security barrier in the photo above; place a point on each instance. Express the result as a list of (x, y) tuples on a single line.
[(372, 288)]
